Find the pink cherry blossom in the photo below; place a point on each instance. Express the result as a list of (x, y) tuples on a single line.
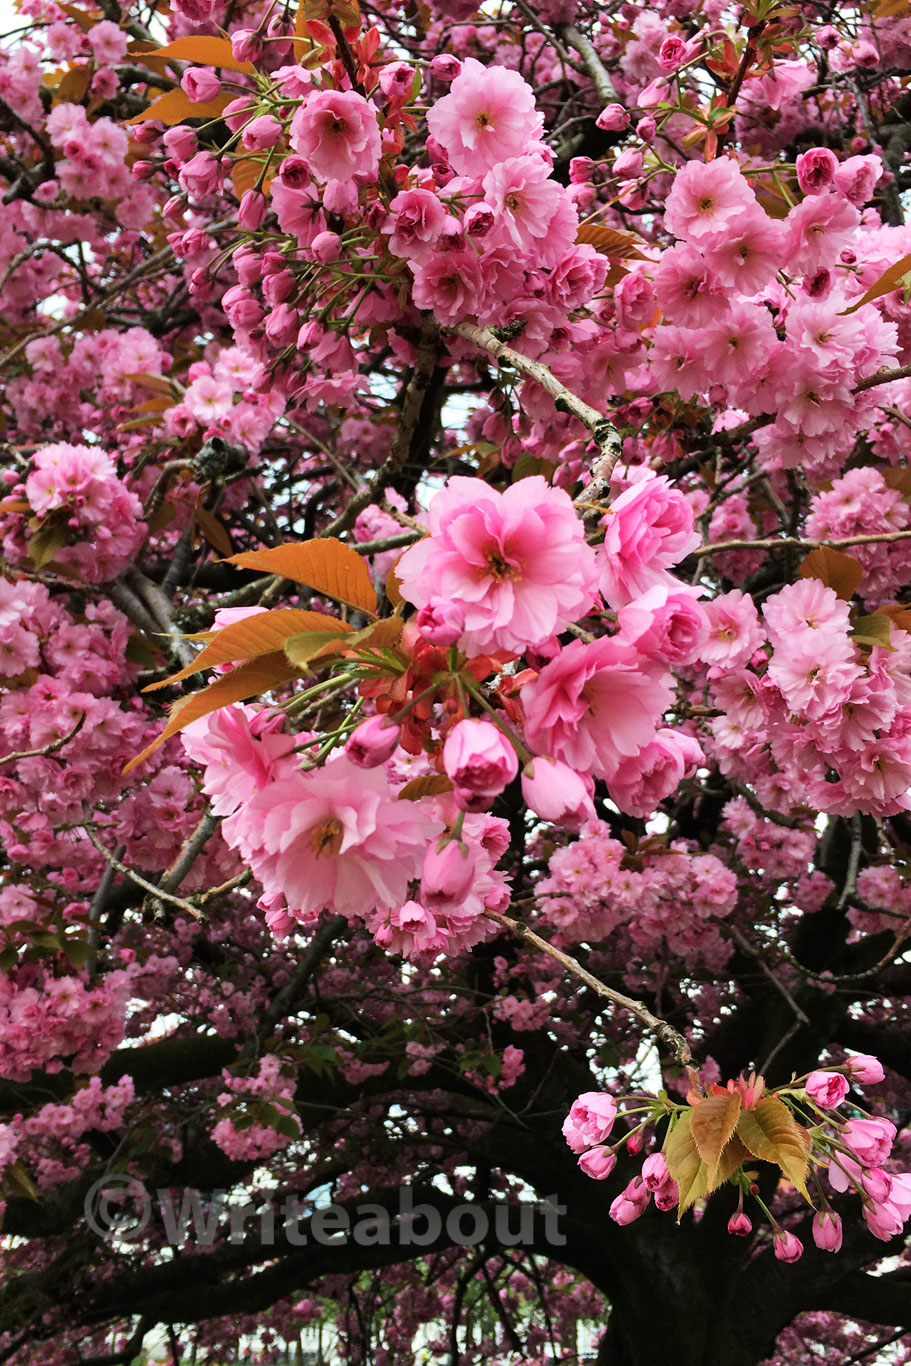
[(488, 116), (515, 562), (590, 1120), (704, 198), (337, 134), (595, 705), (828, 1089)]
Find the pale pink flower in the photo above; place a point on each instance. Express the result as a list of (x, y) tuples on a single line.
[(488, 116), (641, 782), (441, 621), (857, 177), (243, 749), (416, 219), (334, 838), (752, 250), (865, 1069), (558, 795), (827, 1230), (816, 169), (449, 284), (828, 1089), (788, 1248), (527, 203), (802, 609), (870, 1139), (631, 1202), (480, 761), (590, 1120), (410, 930), (646, 530), (516, 562), (687, 287), (337, 134), (598, 1162), (734, 630), (595, 705), (372, 742), (818, 229), (704, 198), (666, 622)]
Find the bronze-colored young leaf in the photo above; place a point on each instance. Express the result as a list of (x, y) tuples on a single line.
[(207, 51), (431, 785), (835, 570), (771, 1133), (175, 105), (214, 531), (731, 1157), (893, 277), (253, 637), (303, 649), (684, 1163), (714, 1121), (246, 681), (875, 629), (19, 1181), (324, 565), (620, 246)]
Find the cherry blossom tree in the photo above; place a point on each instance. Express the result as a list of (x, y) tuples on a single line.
[(455, 734)]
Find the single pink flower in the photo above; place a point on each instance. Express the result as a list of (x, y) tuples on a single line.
[(558, 795), (865, 1069), (869, 1139), (788, 1248), (703, 199), (334, 838), (827, 1231), (337, 134), (527, 204), (595, 704), (480, 761), (816, 169), (590, 1120), (449, 284), (631, 1202), (648, 528), (372, 742), (828, 1089), (488, 116), (598, 1162), (515, 562)]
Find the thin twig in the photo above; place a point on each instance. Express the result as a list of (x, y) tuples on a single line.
[(794, 542), (660, 1028), (565, 401), (139, 880), (51, 748)]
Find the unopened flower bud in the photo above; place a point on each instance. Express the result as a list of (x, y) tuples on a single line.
[(372, 742)]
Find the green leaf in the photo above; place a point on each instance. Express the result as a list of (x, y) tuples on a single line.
[(684, 1163), (872, 630), (771, 1133), (714, 1121)]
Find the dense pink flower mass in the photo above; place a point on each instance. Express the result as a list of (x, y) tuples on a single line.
[(455, 653), (515, 562)]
